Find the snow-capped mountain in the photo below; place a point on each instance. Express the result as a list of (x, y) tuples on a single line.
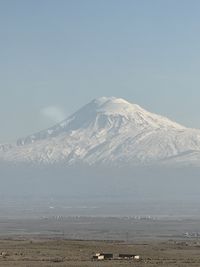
[(110, 131)]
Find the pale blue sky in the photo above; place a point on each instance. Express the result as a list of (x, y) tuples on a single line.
[(60, 54)]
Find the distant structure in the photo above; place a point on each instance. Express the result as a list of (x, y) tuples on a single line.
[(109, 256), (137, 257), (129, 257), (103, 256)]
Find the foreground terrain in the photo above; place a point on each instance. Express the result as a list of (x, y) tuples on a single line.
[(36, 236), (46, 252)]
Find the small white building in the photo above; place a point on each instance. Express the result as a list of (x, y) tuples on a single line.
[(99, 256), (103, 256), (137, 257)]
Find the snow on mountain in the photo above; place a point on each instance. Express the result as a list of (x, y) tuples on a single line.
[(110, 131)]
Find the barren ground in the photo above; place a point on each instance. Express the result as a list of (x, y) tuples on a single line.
[(43, 252)]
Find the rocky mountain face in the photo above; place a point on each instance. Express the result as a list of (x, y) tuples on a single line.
[(109, 131)]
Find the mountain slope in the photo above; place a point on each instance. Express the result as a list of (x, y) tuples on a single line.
[(110, 131)]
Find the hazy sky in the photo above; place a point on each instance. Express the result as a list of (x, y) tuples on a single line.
[(57, 55)]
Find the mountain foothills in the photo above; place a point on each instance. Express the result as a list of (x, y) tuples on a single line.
[(112, 132)]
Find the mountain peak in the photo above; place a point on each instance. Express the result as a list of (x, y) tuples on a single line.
[(109, 130), (114, 105), (108, 113), (111, 100)]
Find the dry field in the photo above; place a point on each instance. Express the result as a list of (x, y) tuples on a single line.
[(71, 253)]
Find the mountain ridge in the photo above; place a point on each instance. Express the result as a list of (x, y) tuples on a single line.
[(110, 131), (106, 105)]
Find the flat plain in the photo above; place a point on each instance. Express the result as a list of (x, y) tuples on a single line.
[(71, 241), (50, 252)]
